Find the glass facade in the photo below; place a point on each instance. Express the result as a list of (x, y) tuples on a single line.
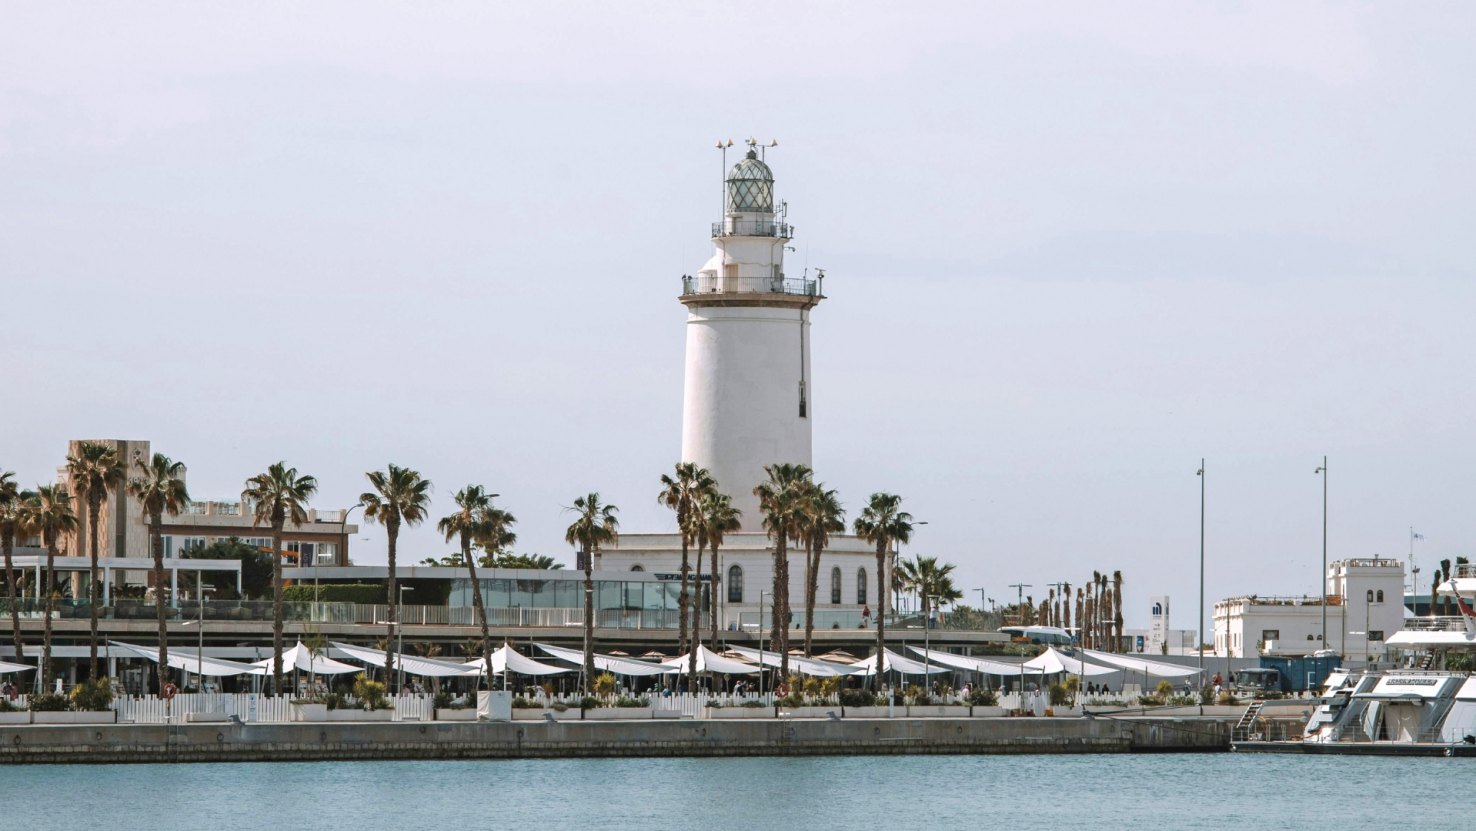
[(609, 595)]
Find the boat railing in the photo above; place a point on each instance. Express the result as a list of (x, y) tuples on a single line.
[(1443, 623)]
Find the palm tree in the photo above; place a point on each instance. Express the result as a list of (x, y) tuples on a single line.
[(1117, 610), (683, 494), (783, 500), (49, 514), (595, 525), (1081, 630), (824, 515), (160, 488), (1066, 606), (400, 496), (11, 502), (883, 522), (465, 524), (718, 519), (279, 496), (93, 474), (932, 581)]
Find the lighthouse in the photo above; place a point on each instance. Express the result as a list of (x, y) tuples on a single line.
[(748, 397)]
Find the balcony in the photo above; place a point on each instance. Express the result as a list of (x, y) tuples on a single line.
[(752, 228), (799, 288)]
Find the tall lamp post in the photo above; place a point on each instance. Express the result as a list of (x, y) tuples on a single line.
[(1199, 633), (342, 535), (400, 640), (761, 642), (1019, 610), (891, 572), (1322, 580)]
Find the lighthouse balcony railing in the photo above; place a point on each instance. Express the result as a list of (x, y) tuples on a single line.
[(752, 228), (778, 285)]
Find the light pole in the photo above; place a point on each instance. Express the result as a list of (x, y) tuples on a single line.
[(1019, 610), (1199, 633), (343, 537), (400, 641), (897, 589), (199, 623), (762, 594), (1322, 580)]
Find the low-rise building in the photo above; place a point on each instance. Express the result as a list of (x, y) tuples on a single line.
[(1364, 604)]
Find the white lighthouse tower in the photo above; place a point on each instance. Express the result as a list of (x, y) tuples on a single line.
[(747, 395)]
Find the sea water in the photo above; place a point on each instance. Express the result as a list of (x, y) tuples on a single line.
[(1157, 791)]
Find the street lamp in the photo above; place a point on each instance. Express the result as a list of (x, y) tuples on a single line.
[(896, 589), (1322, 581), (343, 537), (1199, 633), (762, 595), (400, 640), (1019, 610)]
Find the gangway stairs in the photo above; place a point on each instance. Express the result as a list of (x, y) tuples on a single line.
[(1243, 730)]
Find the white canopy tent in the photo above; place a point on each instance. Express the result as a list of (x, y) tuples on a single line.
[(709, 661), (414, 665), (1142, 666), (608, 663), (805, 666), (6, 666), (1051, 662), (188, 661), (301, 658), (505, 658), (966, 662), (897, 663)]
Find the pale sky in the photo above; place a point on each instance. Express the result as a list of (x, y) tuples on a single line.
[(1070, 250)]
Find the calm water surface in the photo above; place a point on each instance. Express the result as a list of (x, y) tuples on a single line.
[(1097, 792)]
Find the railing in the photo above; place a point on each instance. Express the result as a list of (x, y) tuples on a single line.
[(752, 228), (1465, 570), (1435, 624), (1258, 600), (797, 287)]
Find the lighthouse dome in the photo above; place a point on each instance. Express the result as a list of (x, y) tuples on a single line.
[(751, 185)]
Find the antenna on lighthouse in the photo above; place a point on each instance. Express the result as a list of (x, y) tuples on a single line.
[(753, 144)]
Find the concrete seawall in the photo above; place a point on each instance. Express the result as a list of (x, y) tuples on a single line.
[(233, 742)]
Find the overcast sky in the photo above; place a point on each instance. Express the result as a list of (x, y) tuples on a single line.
[(1070, 250)]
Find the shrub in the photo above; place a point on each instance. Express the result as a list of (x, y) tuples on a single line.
[(363, 593), (1228, 698), (334, 700), (521, 703), (794, 699), (1163, 691), (590, 702), (558, 707), (860, 698), (811, 687), (1060, 696), (93, 696), (627, 701), (6, 706), (49, 703), (441, 700), (984, 698), (604, 684), (370, 694)]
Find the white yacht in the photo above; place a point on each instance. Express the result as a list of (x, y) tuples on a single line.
[(1425, 707)]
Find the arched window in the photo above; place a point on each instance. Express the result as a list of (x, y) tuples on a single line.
[(835, 586), (637, 567), (1381, 595), (861, 587), (1370, 595), (735, 584)]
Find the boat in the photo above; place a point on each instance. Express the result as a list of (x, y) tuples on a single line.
[(1426, 706)]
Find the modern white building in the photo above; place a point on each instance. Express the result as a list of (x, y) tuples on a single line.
[(1364, 605), (748, 401)]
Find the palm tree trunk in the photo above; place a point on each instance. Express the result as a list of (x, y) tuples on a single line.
[(156, 544), (692, 684), (881, 610), (94, 510), (479, 607), (46, 621), (712, 614), (781, 604), (589, 623), (11, 593), (277, 606), (392, 532), (812, 584)]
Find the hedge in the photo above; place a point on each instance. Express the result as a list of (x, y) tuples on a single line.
[(335, 593)]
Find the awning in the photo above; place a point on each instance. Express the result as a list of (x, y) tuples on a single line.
[(804, 666), (190, 662), (618, 666), (301, 658), (6, 666), (709, 661), (1143, 666), (413, 664), (506, 657), (1051, 662), (967, 662), (897, 663)]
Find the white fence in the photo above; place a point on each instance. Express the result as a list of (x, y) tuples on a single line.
[(248, 707)]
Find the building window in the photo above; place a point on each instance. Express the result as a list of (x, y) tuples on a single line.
[(1381, 599), (861, 587), (735, 584), (636, 567), (1370, 595), (1270, 634), (835, 586), (1376, 634), (190, 544)]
